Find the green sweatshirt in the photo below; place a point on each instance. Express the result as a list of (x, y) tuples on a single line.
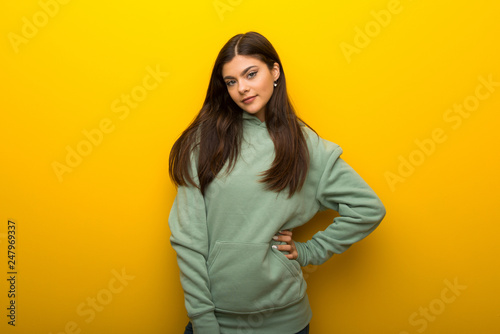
[(233, 280)]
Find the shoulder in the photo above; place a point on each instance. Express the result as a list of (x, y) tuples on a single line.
[(319, 147)]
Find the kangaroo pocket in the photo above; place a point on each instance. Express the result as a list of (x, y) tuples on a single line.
[(253, 277)]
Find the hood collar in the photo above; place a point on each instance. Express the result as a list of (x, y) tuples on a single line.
[(248, 118)]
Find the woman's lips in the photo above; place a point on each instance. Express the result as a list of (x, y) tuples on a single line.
[(249, 99)]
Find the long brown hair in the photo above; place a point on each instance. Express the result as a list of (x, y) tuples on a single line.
[(216, 131)]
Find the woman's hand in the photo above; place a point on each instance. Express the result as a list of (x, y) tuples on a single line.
[(286, 236)]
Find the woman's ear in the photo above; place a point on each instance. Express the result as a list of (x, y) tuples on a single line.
[(276, 71)]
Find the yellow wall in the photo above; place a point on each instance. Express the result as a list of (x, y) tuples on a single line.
[(383, 79)]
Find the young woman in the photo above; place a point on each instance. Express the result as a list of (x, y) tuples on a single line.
[(248, 171)]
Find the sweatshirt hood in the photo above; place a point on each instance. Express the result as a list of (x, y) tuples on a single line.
[(251, 119)]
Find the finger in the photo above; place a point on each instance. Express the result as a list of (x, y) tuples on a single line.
[(283, 248), (284, 238), (285, 232), (291, 256), (287, 248)]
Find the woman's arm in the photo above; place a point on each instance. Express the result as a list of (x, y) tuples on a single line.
[(342, 189), (189, 238)]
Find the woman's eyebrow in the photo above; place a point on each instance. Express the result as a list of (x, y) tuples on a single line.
[(242, 73)]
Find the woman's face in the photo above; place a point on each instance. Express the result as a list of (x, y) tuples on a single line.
[(248, 77)]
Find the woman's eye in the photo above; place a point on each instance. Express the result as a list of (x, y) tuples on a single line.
[(250, 75)]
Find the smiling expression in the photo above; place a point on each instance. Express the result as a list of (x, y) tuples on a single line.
[(250, 83)]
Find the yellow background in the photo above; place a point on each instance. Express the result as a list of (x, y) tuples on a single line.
[(109, 214)]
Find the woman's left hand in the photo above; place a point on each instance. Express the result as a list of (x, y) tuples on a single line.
[(286, 236)]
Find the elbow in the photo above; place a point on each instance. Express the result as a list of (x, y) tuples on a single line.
[(374, 212), (379, 212)]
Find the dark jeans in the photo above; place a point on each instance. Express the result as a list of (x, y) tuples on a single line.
[(189, 329)]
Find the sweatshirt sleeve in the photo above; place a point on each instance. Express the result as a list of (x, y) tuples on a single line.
[(342, 189), (189, 238)]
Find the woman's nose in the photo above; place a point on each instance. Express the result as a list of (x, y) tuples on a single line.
[(242, 87)]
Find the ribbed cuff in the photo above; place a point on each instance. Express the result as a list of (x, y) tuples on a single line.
[(205, 323), (302, 251)]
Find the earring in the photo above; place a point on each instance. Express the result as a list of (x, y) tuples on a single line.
[(275, 83)]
